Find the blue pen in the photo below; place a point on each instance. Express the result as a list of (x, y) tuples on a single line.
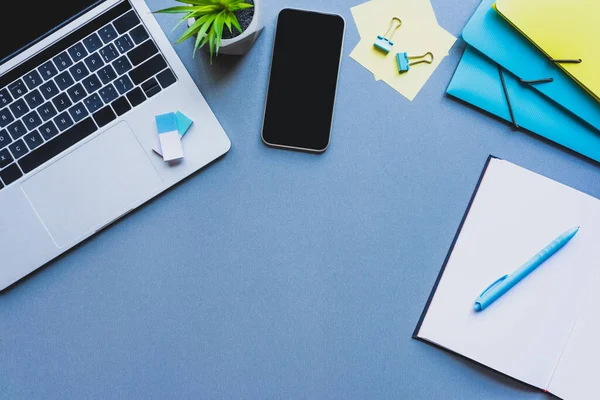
[(504, 284)]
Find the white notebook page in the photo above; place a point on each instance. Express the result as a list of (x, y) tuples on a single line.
[(576, 376), (515, 214)]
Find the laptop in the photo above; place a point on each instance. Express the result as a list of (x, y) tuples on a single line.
[(80, 85)]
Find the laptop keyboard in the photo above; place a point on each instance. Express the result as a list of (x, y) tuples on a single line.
[(76, 86)]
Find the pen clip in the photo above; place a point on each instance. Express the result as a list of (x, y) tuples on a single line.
[(493, 284)]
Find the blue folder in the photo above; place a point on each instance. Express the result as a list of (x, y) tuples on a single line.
[(477, 81), (493, 36)]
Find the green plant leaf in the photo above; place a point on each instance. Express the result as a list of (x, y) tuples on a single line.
[(235, 23), (182, 20), (239, 6), (206, 23), (218, 27), (211, 44), (204, 41), (228, 23), (211, 16), (198, 2), (204, 9), (175, 10), (191, 31)]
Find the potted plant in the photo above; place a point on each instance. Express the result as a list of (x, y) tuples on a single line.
[(227, 26)]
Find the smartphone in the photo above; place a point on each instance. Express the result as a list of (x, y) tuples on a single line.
[(303, 80)]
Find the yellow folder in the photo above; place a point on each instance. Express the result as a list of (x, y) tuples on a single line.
[(562, 29)]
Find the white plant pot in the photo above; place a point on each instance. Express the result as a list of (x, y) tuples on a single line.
[(242, 43)]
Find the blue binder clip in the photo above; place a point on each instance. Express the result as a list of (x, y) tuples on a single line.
[(404, 62), (385, 44)]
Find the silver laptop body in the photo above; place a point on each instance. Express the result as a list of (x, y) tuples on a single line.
[(77, 130)]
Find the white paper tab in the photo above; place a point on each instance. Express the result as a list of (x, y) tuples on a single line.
[(183, 125), (169, 138)]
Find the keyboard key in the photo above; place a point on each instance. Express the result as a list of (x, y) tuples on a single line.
[(92, 43), (79, 71), (108, 93), (77, 92), (151, 87), (49, 90), (139, 34), (4, 139), (32, 120), (147, 69), (122, 65), (120, 105), (104, 116), (94, 62), (64, 80), (123, 84), (47, 111), (16, 129), (34, 99), (63, 121), (93, 103), (107, 33), (10, 174), (62, 61), (166, 78), (91, 83), (126, 22), (136, 97), (5, 98), (62, 102), (107, 74), (19, 108), (18, 149), (33, 79), (78, 112), (77, 52), (48, 130), (17, 89), (54, 147), (6, 117), (33, 140), (109, 53), (124, 44), (48, 70), (5, 158), (142, 52)]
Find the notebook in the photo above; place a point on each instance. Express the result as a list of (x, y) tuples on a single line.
[(477, 81), (563, 29), (545, 330), (493, 36)]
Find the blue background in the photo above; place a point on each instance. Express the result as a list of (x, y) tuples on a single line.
[(276, 274)]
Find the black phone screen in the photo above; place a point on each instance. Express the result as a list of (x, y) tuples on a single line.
[(303, 81)]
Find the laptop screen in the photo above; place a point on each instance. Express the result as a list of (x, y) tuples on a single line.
[(35, 20)]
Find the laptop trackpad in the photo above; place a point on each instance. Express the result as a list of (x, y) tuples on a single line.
[(93, 185)]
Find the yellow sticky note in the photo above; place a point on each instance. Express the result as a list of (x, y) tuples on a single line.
[(418, 35), (368, 22), (373, 18), (410, 83), (563, 30)]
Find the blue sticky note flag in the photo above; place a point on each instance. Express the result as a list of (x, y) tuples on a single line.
[(183, 123), (166, 123)]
